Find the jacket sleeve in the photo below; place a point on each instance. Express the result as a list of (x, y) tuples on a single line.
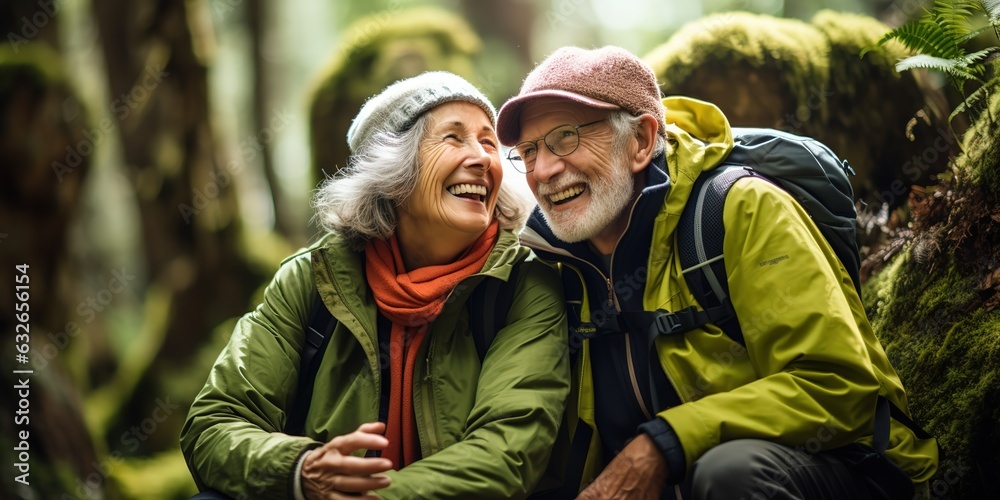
[(520, 401), (815, 386), (232, 439)]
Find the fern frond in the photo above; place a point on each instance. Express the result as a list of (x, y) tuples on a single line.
[(974, 33), (956, 68), (953, 17), (925, 36), (991, 8), (981, 55), (969, 101)]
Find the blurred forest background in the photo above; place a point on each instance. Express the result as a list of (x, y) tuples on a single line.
[(157, 159)]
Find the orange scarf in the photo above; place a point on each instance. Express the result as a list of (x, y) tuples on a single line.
[(411, 301)]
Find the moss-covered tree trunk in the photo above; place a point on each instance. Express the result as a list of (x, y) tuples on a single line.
[(259, 17), (375, 51), (42, 171), (808, 79), (936, 309), (157, 54)]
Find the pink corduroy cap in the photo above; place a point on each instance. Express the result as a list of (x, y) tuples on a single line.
[(605, 78)]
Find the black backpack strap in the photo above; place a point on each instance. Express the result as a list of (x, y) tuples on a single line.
[(488, 306), (578, 451), (880, 437), (384, 327), (579, 330), (700, 236), (317, 334), (656, 323), (210, 494), (700, 243), (898, 414)]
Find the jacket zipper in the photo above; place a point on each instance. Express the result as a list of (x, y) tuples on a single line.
[(428, 401), (613, 302), (628, 343), (374, 366), (635, 383)]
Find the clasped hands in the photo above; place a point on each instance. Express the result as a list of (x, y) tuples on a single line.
[(331, 472)]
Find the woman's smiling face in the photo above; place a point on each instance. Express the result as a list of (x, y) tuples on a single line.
[(459, 179)]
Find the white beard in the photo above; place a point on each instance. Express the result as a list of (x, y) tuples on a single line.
[(609, 196)]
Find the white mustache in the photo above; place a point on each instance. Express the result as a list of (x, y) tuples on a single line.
[(562, 183)]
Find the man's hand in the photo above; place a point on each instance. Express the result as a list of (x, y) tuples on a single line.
[(638, 472), (331, 472)]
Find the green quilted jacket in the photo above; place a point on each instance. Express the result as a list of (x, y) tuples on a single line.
[(485, 431)]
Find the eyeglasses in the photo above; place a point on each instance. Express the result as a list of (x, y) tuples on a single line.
[(562, 141)]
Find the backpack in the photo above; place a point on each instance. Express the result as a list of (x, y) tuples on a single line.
[(818, 180), (803, 167), (488, 305)]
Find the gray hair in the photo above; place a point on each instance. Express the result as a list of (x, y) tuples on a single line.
[(624, 126), (361, 201)]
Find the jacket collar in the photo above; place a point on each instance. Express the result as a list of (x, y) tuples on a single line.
[(338, 273)]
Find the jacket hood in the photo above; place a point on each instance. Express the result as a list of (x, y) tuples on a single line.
[(698, 137)]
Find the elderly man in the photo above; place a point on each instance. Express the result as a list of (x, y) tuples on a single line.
[(790, 415)]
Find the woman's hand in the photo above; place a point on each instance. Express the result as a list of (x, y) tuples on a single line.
[(331, 472)]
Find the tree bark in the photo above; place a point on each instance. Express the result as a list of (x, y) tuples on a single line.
[(257, 13), (44, 160), (157, 54)]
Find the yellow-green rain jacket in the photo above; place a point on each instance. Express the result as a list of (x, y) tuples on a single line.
[(812, 367)]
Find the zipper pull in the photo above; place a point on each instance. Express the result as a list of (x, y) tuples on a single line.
[(611, 297)]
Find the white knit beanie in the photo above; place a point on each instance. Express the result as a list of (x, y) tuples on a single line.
[(399, 106)]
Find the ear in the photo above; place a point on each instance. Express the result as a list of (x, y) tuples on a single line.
[(645, 139)]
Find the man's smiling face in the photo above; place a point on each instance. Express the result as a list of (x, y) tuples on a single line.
[(583, 193)]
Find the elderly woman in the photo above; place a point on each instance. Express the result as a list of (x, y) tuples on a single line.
[(402, 405)]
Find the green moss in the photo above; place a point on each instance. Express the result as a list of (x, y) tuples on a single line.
[(948, 357), (161, 476), (794, 49), (877, 290), (437, 33), (956, 386), (848, 35), (906, 291), (374, 52), (981, 157), (852, 33)]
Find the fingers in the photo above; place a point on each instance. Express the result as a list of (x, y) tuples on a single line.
[(332, 472), (349, 443), (372, 428), (368, 436), (369, 496), (334, 463), (317, 484), (318, 492), (359, 484)]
